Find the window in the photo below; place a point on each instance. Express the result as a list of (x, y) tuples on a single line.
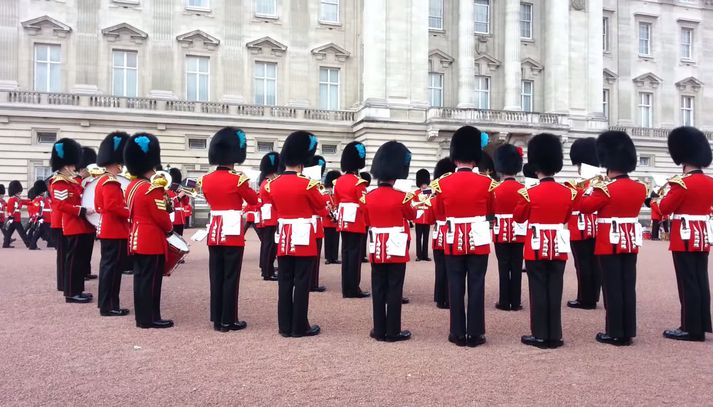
[(605, 34), (329, 88), (265, 146), (46, 136), (646, 104), (687, 107), (48, 68), (526, 20), (125, 73), (605, 102), (266, 8), (526, 93), (687, 43), (202, 4), (435, 89), (42, 172), (645, 39), (482, 16), (197, 143), (329, 149), (265, 83), (435, 15), (646, 161), (329, 11), (197, 78), (482, 92)]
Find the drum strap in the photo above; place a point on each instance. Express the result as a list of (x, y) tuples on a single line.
[(130, 199)]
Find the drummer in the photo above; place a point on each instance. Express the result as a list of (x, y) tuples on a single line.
[(88, 172), (113, 228)]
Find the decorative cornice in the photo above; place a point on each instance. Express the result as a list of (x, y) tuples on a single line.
[(690, 84), (189, 39), (493, 63), (534, 66), (34, 26), (446, 60), (114, 32), (277, 48), (648, 79), (609, 76), (320, 53)]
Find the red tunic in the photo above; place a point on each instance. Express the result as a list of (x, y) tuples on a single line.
[(109, 202), (546, 207), (46, 208), (225, 190), (328, 221), (67, 200), (582, 226), (3, 207), (349, 191), (466, 198), (690, 195), (268, 215), (150, 222), (389, 211), (14, 207), (34, 210), (424, 214), (438, 237), (179, 207), (506, 198), (619, 200)]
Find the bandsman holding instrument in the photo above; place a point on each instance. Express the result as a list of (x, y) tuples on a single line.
[(318, 160), (88, 172), (331, 235), (444, 167), (269, 167), (689, 203), (179, 199), (424, 214)]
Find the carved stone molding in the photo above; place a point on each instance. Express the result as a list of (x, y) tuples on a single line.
[(36, 25), (689, 84), (578, 5), (198, 38), (115, 32), (275, 47), (444, 59), (647, 80), (320, 53)]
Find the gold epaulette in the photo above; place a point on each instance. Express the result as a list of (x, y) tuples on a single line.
[(242, 177), (678, 180), (573, 191), (435, 184), (524, 194), (602, 186), (362, 198), (199, 182), (493, 184), (409, 196), (361, 180), (110, 178), (62, 177), (269, 181)]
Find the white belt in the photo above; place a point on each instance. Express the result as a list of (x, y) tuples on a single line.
[(461, 221), (47, 210), (690, 218), (226, 212), (389, 230), (440, 223), (178, 209), (348, 204), (575, 213), (547, 226), (504, 216), (296, 221), (618, 220)]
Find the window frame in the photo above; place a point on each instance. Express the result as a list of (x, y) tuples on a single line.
[(125, 68), (329, 84), (649, 40), (531, 95), (321, 16), (336, 149), (434, 28), (479, 91), (606, 101), (198, 74), (530, 21), (36, 135), (265, 80), (605, 34), (259, 142), (690, 45), (488, 6), (691, 110), (201, 8), (49, 63), (264, 15), (641, 106), (433, 88), (202, 139)]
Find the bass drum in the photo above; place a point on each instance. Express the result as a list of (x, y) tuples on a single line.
[(177, 250), (89, 194)]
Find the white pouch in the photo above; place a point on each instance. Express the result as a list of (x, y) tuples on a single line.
[(563, 241), (257, 217), (396, 244), (480, 233), (419, 213), (520, 229), (580, 222), (372, 243), (232, 223), (639, 233), (685, 228), (614, 233), (172, 216), (496, 227), (451, 235), (535, 239), (349, 213), (301, 233), (434, 235), (709, 230), (266, 211)]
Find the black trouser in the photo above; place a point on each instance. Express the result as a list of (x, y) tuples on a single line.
[(314, 278), (42, 230), (11, 228), (545, 280), (364, 239), (387, 287), (664, 225), (179, 229), (224, 264), (261, 235), (588, 276), (2, 228), (113, 255), (655, 228), (78, 256), (510, 270), (293, 277), (422, 240), (470, 268), (268, 251), (148, 277), (440, 289), (331, 245), (693, 291), (60, 243), (619, 287), (87, 264), (351, 262)]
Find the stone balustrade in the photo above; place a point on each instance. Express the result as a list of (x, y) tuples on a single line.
[(648, 132), (504, 117)]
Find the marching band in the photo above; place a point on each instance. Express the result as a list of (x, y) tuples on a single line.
[(121, 196)]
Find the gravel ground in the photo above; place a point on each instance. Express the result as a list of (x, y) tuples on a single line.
[(55, 353)]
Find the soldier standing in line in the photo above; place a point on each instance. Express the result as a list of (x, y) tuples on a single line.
[(424, 214), (331, 236), (444, 167), (269, 167)]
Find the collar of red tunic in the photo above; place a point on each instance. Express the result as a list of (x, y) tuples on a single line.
[(623, 176), (694, 172), (548, 179), (464, 169), (385, 184)]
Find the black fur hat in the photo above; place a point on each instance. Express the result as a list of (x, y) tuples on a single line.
[(270, 163), (508, 159), (31, 194), (366, 177), (688, 145), (544, 154), (528, 172), (2, 190), (298, 148), (423, 177), (65, 151), (111, 149), (89, 156), (486, 165), (319, 160), (584, 151), (616, 151), (466, 145), (142, 153), (40, 187), (443, 166), (353, 157), (391, 161), (228, 146), (176, 176), (330, 178), (14, 188)]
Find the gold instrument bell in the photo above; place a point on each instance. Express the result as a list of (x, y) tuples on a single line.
[(161, 179)]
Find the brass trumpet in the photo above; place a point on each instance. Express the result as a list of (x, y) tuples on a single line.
[(583, 183)]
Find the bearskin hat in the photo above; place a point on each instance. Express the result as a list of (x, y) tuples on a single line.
[(111, 149), (298, 149), (353, 157), (319, 160), (584, 151), (330, 178), (423, 177), (544, 154), (142, 153), (688, 145), (65, 151), (40, 187), (486, 164), (366, 177), (508, 159), (176, 176), (391, 161), (443, 166), (528, 172), (89, 156), (270, 163), (616, 151), (467, 145), (2, 190), (14, 188), (228, 146)]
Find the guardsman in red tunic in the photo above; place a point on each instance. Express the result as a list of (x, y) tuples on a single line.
[(32, 211), (225, 190), (3, 208), (14, 214), (296, 199), (331, 235), (269, 166), (583, 230), (314, 281), (656, 217), (113, 229), (444, 167), (509, 235), (41, 205), (88, 171), (366, 176), (689, 203), (149, 208), (619, 235), (546, 207), (467, 199), (424, 214), (349, 191), (180, 201), (388, 214)]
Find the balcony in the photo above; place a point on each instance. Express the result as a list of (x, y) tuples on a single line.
[(647, 132), (497, 117)]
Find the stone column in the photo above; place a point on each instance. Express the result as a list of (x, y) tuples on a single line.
[(466, 54), (374, 48), (511, 63), (419, 52), (557, 56), (596, 58)]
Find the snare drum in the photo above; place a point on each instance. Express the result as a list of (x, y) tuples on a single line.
[(177, 250), (88, 197)]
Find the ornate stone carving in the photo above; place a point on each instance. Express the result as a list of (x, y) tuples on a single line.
[(275, 47), (579, 5)]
